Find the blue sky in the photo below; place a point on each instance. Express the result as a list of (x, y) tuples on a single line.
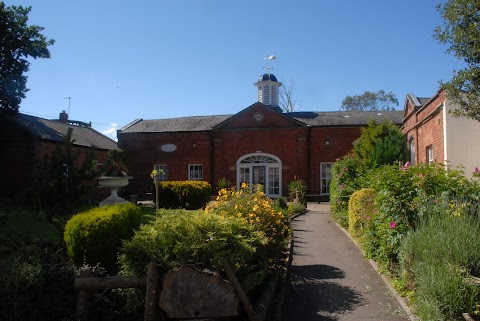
[(122, 60)]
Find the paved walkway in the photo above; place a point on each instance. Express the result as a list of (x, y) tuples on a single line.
[(330, 279)]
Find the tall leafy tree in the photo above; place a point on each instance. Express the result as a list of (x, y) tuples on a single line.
[(461, 31), (370, 101), (19, 42), (381, 144)]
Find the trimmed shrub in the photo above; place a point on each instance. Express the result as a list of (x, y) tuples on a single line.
[(184, 194), (181, 238), (361, 211), (95, 236)]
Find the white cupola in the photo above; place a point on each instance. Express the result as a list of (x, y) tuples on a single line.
[(268, 90)]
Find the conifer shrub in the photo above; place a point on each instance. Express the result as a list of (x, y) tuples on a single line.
[(201, 239), (190, 195), (361, 211), (96, 235)]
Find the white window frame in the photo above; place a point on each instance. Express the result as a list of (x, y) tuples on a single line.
[(430, 154), (273, 181), (161, 177), (411, 145), (195, 172), (327, 177)]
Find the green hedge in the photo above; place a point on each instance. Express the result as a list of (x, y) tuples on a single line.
[(184, 194), (95, 236), (361, 212)]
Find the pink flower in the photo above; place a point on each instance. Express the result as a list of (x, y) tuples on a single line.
[(393, 224), (342, 186), (476, 170)]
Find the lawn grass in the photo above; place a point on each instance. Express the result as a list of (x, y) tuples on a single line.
[(23, 221)]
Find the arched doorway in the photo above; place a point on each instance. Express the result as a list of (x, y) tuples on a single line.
[(261, 168)]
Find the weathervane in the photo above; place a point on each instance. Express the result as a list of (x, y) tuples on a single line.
[(268, 67)]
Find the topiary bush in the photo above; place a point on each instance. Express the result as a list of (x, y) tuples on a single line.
[(361, 212), (184, 194), (203, 239), (96, 235)]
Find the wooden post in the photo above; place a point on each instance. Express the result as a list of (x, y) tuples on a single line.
[(153, 293), (238, 289), (82, 298)]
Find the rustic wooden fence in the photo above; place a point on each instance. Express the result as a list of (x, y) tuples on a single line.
[(183, 294)]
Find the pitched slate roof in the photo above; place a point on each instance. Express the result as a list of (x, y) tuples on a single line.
[(346, 118), (314, 119), (55, 130), (182, 124)]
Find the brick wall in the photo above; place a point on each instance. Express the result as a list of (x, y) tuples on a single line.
[(425, 126), (301, 150)]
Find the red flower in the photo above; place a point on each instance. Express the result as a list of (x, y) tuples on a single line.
[(393, 224)]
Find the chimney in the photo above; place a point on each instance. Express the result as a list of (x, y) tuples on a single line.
[(63, 117)]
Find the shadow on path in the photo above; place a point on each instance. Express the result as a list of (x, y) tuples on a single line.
[(315, 295)]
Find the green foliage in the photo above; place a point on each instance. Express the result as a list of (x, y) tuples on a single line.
[(438, 260), (297, 190), (20, 42), (460, 31), (370, 101), (37, 281), (400, 195), (256, 209), (223, 183), (348, 176), (361, 211), (95, 236), (184, 194), (116, 164), (198, 238), (296, 208), (56, 186), (381, 144), (281, 203)]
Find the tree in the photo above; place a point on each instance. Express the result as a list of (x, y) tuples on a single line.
[(370, 101), (461, 30), (288, 101), (381, 144), (18, 42)]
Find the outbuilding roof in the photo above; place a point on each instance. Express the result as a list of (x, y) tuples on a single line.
[(313, 119), (54, 130)]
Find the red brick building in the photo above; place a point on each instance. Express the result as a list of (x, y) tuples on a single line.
[(258, 145), (25, 140), (434, 135)]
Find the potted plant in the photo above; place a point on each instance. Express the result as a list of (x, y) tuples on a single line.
[(114, 175)]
